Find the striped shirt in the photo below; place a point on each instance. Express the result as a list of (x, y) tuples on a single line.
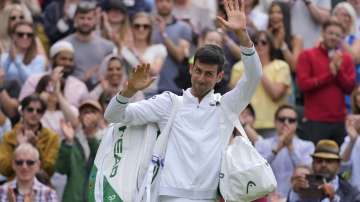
[(42, 193)]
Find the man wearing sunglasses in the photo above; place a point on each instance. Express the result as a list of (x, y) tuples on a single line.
[(25, 186), (30, 130), (285, 151)]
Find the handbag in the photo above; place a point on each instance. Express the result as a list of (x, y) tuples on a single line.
[(244, 175)]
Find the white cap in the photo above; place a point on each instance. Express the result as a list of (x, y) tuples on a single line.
[(61, 46)]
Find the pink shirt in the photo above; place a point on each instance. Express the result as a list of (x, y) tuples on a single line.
[(75, 90)]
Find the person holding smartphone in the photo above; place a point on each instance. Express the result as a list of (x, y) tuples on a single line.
[(323, 184)]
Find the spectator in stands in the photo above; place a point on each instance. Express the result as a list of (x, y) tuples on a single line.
[(287, 45), (5, 124), (78, 150), (113, 76), (58, 18), (256, 20), (115, 25), (355, 100), (30, 130), (23, 58), (90, 49), (307, 16), (143, 50), (356, 6), (51, 90), (330, 187), (62, 59), (25, 187), (274, 87), (285, 151), (350, 149), (247, 119), (176, 36), (197, 17), (12, 14), (325, 74)]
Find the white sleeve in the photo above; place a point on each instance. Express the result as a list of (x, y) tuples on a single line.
[(239, 97), (155, 109)]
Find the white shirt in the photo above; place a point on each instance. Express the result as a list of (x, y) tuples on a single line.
[(354, 157)]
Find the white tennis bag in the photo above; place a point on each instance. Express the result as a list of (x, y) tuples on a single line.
[(128, 161), (245, 174)]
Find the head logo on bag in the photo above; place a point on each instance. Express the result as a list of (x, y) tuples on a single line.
[(249, 185), (118, 152)]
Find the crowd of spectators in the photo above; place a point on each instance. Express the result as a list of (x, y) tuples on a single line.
[(62, 61)]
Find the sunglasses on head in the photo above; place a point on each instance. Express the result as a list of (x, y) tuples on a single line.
[(27, 162), (24, 34), (31, 110), (138, 26), (262, 42), (289, 119), (15, 17)]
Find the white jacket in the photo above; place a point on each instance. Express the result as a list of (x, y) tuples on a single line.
[(193, 156)]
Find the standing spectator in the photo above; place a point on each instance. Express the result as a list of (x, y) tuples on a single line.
[(307, 16), (25, 187), (326, 165), (350, 149), (23, 57), (58, 18), (176, 36), (90, 49), (356, 6), (274, 87), (30, 130), (78, 150), (143, 50), (197, 17), (115, 25), (62, 56), (325, 74), (287, 45), (285, 151)]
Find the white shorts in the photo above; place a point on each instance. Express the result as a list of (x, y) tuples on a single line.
[(177, 199)]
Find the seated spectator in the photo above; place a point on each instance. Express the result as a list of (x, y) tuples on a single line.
[(247, 119), (350, 149), (12, 14), (274, 88), (30, 130), (62, 56), (326, 184), (58, 19), (78, 150), (285, 151), (113, 76), (25, 187), (23, 57)]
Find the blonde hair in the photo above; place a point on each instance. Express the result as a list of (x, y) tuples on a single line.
[(351, 11), (27, 148), (354, 108), (5, 16)]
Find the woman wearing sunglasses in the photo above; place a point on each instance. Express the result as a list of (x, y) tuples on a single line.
[(275, 84), (23, 57), (12, 14), (143, 51)]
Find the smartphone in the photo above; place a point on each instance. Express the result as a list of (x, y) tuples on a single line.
[(313, 191)]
